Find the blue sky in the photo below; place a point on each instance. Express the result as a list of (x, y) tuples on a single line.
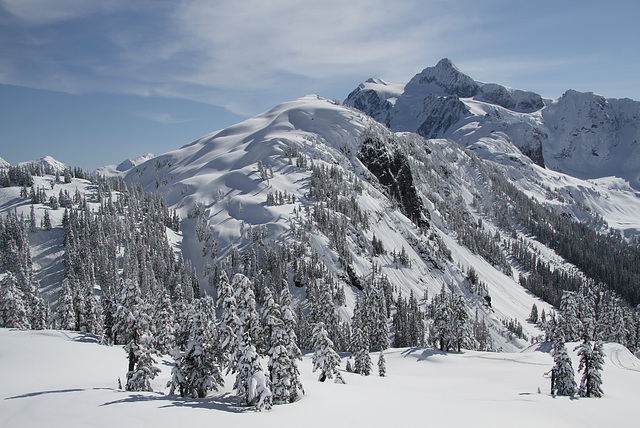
[(95, 82)]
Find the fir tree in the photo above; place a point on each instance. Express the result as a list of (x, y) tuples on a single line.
[(251, 384), (382, 367), (132, 327), (246, 309), (591, 362), (325, 358), (562, 375), (164, 325), (196, 371), (229, 323), (13, 313)]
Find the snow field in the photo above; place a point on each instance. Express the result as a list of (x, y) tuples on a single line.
[(55, 379)]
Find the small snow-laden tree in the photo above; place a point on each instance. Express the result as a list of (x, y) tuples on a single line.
[(246, 309), (13, 313), (91, 316), (271, 315), (164, 325), (325, 358), (289, 339), (251, 384), (283, 353), (46, 221), (144, 371), (562, 375), (591, 362), (361, 358), (132, 327), (382, 365), (572, 325), (229, 324), (196, 371)]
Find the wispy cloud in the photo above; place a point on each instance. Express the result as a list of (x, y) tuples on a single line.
[(162, 117), (247, 55)]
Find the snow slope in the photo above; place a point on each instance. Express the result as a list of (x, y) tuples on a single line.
[(57, 379), (220, 173)]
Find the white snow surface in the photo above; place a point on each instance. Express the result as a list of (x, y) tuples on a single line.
[(62, 379)]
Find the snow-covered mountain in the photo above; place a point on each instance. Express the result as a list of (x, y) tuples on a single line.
[(124, 166), (580, 134), (47, 163)]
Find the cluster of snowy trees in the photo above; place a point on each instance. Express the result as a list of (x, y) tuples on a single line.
[(591, 361), (21, 305), (593, 312)]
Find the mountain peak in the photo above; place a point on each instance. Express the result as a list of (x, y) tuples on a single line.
[(448, 78)]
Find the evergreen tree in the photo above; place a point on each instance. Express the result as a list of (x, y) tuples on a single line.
[(229, 323), (591, 362), (562, 375), (382, 367), (46, 221), (164, 325), (132, 327), (325, 357), (246, 309), (362, 360), (251, 384), (13, 313), (196, 371)]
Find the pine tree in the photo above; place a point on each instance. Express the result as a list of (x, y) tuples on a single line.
[(382, 367), (562, 375), (246, 309), (164, 325), (362, 359), (13, 313), (132, 327), (229, 323), (251, 383), (325, 357), (196, 371), (46, 221), (591, 362)]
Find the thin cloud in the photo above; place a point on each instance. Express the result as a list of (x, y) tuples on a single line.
[(163, 118)]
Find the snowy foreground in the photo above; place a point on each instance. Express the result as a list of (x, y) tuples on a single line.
[(52, 379)]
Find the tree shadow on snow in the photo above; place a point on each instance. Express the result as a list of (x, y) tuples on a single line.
[(225, 402), (424, 353)]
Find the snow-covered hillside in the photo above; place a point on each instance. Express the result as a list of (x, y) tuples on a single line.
[(580, 134), (229, 175), (57, 378)]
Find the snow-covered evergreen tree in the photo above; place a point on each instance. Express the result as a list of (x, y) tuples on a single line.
[(144, 371), (283, 352), (251, 384), (132, 327), (562, 375), (229, 323), (382, 365), (196, 371), (591, 362), (13, 313), (325, 358), (246, 309), (164, 325)]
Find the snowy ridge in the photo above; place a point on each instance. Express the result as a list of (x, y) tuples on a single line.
[(580, 134), (220, 173), (48, 163), (124, 166)]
